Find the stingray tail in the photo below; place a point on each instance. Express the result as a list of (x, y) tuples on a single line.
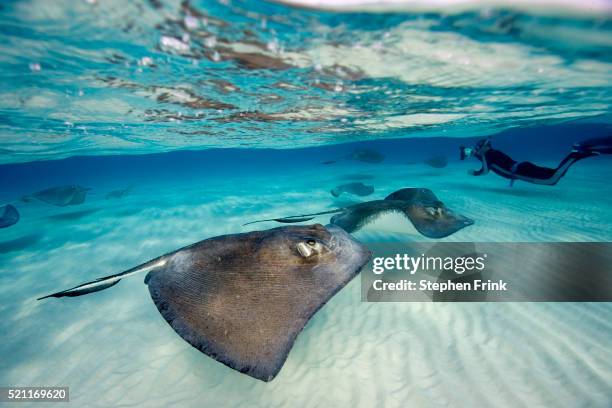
[(107, 281), (297, 218)]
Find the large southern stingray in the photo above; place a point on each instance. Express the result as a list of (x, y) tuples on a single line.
[(430, 216), (242, 299), (61, 196), (8, 216)]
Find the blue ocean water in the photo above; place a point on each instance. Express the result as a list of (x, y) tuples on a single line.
[(188, 119)]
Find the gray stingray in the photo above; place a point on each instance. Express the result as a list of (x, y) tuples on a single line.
[(61, 196), (356, 188), (8, 216), (119, 193), (363, 155), (242, 299), (430, 216), (366, 155), (437, 162), (20, 243)]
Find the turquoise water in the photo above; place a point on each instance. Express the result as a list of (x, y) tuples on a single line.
[(202, 116)]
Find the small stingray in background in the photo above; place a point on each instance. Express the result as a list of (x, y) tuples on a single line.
[(74, 215), (242, 299), (362, 155), (366, 156), (61, 196), (356, 188), (430, 216), (119, 193), (8, 216), (20, 243), (437, 162)]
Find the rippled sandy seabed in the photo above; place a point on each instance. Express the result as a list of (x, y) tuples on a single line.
[(113, 349), (93, 78)]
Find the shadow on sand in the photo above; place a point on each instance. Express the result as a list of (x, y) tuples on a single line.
[(516, 190), (73, 215), (20, 243)]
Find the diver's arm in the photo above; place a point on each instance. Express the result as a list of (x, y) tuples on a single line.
[(483, 170), (476, 172)]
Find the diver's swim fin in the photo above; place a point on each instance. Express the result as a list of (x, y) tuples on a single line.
[(108, 281), (596, 146)]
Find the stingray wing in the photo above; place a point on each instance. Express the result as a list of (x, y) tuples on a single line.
[(78, 197), (8, 216), (413, 195), (435, 220), (236, 305), (359, 215)]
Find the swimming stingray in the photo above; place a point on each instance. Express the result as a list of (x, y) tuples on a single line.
[(356, 188), (437, 162), (119, 193), (8, 216), (430, 216), (242, 299), (367, 156), (363, 155), (60, 196)]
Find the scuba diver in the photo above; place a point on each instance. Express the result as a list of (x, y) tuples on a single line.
[(503, 165)]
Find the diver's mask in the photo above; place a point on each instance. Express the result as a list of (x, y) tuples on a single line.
[(465, 152)]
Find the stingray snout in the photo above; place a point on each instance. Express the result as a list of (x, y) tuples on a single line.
[(345, 246), (462, 219)]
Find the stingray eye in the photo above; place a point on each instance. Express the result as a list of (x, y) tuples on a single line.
[(433, 211), (308, 248)]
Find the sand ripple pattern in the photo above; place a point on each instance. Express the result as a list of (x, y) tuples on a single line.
[(113, 349)]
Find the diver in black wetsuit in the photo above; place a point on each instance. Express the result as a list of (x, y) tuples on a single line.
[(503, 165)]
